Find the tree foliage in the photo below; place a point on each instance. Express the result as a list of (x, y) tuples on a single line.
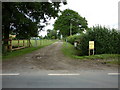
[(106, 41), (24, 18), (70, 19), (51, 34)]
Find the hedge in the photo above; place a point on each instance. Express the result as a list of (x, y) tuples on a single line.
[(106, 40)]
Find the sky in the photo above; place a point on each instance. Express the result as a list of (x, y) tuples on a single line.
[(102, 12)]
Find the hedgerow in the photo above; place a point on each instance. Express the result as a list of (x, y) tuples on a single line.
[(106, 40)]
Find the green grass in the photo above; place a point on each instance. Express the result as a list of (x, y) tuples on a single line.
[(26, 50), (71, 52)]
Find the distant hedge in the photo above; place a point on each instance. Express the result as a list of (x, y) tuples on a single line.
[(106, 40)]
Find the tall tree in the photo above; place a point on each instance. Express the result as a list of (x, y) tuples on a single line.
[(24, 18), (70, 22), (52, 34)]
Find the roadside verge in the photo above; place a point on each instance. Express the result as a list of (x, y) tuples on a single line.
[(69, 51)]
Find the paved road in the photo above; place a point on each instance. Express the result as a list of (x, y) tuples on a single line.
[(62, 79), (49, 68)]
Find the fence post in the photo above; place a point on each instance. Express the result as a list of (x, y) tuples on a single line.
[(35, 43), (89, 52), (40, 42), (93, 51), (43, 42), (18, 43), (29, 42), (5, 48), (10, 46)]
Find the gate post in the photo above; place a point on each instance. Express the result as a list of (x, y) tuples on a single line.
[(10, 46), (18, 43)]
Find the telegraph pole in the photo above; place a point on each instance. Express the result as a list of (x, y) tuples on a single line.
[(70, 29)]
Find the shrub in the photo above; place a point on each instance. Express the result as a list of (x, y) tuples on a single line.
[(106, 41), (73, 38)]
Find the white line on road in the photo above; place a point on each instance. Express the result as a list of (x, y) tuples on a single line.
[(113, 73), (62, 74), (9, 74)]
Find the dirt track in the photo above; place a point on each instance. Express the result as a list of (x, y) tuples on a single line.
[(50, 58)]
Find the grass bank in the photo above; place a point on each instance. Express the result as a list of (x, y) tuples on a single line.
[(71, 52), (26, 50)]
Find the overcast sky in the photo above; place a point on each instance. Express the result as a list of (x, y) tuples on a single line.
[(102, 12)]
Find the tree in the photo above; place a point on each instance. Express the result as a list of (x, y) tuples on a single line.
[(106, 40), (70, 20), (24, 18), (51, 34)]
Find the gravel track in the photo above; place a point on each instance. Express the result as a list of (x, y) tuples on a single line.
[(50, 58)]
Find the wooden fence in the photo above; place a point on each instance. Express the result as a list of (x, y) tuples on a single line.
[(17, 44)]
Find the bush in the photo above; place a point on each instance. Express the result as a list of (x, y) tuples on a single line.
[(73, 38), (106, 41)]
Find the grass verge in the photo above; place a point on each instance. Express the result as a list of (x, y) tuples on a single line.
[(26, 50), (70, 51)]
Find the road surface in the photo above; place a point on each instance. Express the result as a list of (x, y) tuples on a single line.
[(49, 68)]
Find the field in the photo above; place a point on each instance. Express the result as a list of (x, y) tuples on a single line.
[(33, 42), (40, 44)]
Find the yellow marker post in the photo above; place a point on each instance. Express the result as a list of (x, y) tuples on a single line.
[(91, 46)]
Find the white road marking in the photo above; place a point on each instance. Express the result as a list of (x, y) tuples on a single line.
[(62, 74), (9, 74), (113, 73)]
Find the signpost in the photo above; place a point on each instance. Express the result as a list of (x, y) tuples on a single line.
[(75, 44), (91, 47)]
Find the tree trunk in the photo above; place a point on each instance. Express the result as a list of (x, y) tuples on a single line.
[(5, 39)]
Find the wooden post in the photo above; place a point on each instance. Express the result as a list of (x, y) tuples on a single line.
[(5, 48), (93, 51), (10, 46), (36, 43), (5, 45), (89, 52), (18, 43), (40, 42), (29, 42)]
